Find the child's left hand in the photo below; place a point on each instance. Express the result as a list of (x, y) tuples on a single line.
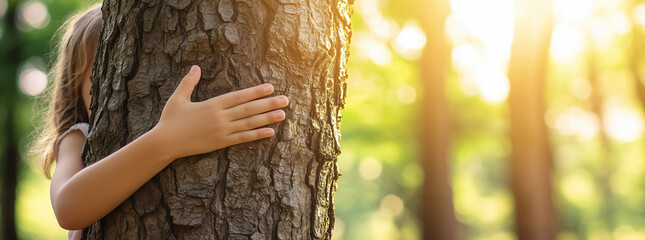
[(188, 128)]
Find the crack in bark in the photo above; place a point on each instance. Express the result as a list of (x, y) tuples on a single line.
[(163, 204), (223, 183), (268, 22)]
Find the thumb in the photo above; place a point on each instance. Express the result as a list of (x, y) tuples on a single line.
[(187, 85)]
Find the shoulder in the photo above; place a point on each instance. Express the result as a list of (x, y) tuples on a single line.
[(71, 142), (72, 139), (82, 127)]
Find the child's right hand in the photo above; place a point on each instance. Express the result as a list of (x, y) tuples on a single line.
[(188, 128)]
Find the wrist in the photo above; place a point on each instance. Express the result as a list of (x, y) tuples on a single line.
[(161, 148)]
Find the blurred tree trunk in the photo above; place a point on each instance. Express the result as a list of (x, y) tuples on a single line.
[(635, 53), (10, 98), (278, 188), (438, 214), (606, 167), (9, 164), (531, 161)]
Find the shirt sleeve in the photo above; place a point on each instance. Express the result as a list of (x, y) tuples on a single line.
[(83, 127)]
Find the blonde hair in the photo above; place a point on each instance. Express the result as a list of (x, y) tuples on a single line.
[(74, 58)]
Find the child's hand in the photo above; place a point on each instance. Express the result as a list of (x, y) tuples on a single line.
[(188, 128)]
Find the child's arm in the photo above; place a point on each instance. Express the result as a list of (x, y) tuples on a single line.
[(81, 196)]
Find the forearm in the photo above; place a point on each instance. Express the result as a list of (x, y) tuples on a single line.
[(96, 190), (82, 196)]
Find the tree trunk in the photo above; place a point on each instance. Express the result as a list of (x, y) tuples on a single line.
[(530, 163), (277, 188), (10, 156), (438, 216), (10, 168), (606, 170), (635, 62)]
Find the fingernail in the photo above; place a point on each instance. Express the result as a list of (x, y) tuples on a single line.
[(279, 114), (268, 88), (193, 69), (268, 132), (284, 100)]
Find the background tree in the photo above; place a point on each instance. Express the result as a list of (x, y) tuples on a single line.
[(282, 188), (10, 158), (606, 168), (531, 163), (438, 212)]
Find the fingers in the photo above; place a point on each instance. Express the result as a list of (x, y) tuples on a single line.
[(238, 97), (258, 106), (251, 135), (187, 85), (257, 121)]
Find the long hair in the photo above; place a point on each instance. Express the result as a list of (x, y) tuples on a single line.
[(74, 59)]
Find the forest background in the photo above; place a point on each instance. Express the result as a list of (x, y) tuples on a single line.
[(593, 112)]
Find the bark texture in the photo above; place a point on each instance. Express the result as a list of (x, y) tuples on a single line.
[(278, 188), (438, 215), (531, 162)]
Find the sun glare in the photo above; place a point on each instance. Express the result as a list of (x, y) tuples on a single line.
[(409, 41), (572, 10), (492, 84), (567, 42), (482, 32), (491, 22), (639, 14), (383, 28)]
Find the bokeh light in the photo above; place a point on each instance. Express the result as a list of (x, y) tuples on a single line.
[(639, 14), (492, 84), (406, 94), (581, 88), (409, 41), (567, 42), (575, 121), (578, 187), (622, 123), (3, 8), (32, 80), (32, 14), (370, 168), (392, 204)]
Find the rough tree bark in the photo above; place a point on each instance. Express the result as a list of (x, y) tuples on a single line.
[(530, 163), (438, 215), (279, 188)]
